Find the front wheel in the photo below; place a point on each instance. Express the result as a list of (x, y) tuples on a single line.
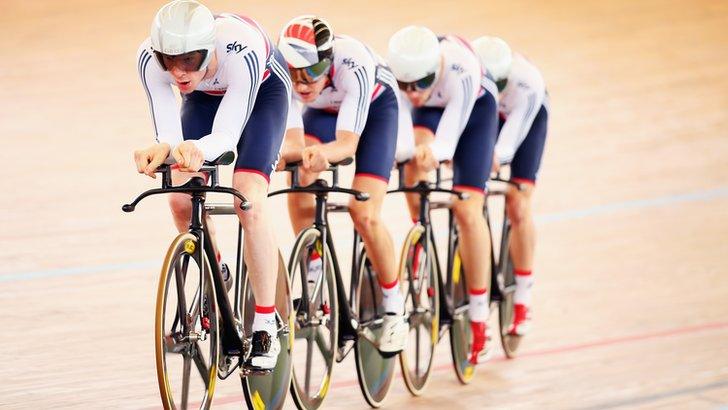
[(186, 331), (418, 277), (269, 391), (461, 336), (313, 284), (374, 370)]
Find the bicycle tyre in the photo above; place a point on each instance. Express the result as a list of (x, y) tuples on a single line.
[(460, 334)]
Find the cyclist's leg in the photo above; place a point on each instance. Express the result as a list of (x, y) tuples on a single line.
[(258, 151), (425, 121), (319, 127), (524, 169), (374, 159), (472, 164)]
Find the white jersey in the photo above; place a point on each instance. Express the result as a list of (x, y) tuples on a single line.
[(244, 61), (456, 89), (518, 105), (357, 78)]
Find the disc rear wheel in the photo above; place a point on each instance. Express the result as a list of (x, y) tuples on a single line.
[(269, 391), (374, 370)]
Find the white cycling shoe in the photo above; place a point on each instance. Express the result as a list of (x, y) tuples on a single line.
[(264, 351), (394, 334)]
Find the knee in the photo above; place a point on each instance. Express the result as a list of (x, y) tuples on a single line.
[(467, 214), (252, 217), (517, 209), (363, 217), (180, 205)]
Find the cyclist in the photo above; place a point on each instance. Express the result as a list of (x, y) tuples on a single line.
[(523, 109), (454, 115), (235, 91), (351, 107)]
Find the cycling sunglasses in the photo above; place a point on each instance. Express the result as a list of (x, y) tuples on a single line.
[(419, 85), (310, 74), (501, 84), (191, 61)]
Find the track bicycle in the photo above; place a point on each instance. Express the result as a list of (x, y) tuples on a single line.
[(200, 335), (437, 301), (328, 324)]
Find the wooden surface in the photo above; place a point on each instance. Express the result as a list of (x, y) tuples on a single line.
[(631, 295)]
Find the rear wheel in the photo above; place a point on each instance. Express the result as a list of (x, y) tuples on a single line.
[(316, 320), (186, 332), (374, 370), (418, 277), (269, 391), (461, 336)]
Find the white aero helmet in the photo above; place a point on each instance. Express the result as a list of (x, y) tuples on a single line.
[(495, 55), (413, 53), (181, 27)]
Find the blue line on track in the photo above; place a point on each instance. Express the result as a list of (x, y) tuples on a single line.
[(540, 219), (632, 205)]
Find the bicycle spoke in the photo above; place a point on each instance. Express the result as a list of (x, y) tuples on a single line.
[(186, 369), (171, 346), (201, 365), (309, 356), (321, 338), (417, 350)]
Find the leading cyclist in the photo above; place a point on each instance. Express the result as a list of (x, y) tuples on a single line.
[(235, 90)]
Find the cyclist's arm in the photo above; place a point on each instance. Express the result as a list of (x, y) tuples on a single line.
[(293, 142), (162, 103), (526, 104), (358, 82), (454, 118), (237, 104)]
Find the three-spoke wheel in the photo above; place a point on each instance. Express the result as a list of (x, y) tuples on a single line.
[(186, 328), (418, 276)]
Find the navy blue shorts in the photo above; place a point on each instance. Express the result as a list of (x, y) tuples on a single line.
[(527, 159), (474, 154), (260, 141), (378, 141)]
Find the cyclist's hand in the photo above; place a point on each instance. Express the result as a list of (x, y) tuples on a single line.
[(313, 159), (496, 164), (188, 157), (281, 164), (425, 159), (147, 160)]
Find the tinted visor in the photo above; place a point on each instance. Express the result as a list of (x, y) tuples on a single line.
[(191, 61), (501, 84), (311, 73), (419, 85)]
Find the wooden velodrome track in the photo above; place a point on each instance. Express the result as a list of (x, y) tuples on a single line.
[(631, 300)]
